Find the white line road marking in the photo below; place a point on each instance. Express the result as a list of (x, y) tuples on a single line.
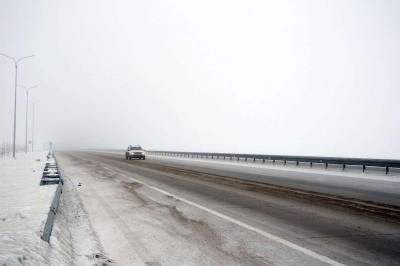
[(249, 227)]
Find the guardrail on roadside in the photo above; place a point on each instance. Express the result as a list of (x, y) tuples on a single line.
[(50, 175), (304, 159), (48, 179)]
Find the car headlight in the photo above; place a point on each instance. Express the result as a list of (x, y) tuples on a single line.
[(143, 153)]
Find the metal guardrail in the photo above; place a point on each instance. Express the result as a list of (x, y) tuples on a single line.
[(304, 159), (52, 213), (48, 228)]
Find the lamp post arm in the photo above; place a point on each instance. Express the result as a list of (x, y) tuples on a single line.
[(24, 88), (27, 90), (10, 58), (15, 100), (23, 58), (31, 88)]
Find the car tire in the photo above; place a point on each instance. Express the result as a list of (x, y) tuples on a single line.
[(144, 158)]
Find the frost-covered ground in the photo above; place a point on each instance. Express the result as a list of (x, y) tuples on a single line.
[(24, 206)]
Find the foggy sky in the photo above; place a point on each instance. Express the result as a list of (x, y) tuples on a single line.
[(272, 77)]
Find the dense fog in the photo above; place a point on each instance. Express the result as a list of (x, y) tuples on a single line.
[(272, 77)]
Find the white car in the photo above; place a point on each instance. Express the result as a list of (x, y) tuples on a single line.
[(135, 152)]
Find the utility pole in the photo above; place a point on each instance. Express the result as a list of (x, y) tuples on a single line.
[(15, 101), (33, 123), (26, 126)]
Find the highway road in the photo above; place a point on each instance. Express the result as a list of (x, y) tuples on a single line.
[(173, 211)]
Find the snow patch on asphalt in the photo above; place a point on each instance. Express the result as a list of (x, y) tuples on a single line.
[(74, 219)]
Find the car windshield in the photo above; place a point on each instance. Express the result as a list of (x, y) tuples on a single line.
[(136, 148)]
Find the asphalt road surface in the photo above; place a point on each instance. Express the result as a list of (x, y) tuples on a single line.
[(169, 211)]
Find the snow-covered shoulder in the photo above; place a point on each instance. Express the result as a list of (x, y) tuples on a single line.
[(24, 206)]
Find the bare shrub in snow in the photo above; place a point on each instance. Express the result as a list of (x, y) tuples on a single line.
[(6, 149)]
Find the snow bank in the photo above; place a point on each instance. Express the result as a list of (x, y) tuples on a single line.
[(24, 206)]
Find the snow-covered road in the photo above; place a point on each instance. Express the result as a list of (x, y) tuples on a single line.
[(147, 214)]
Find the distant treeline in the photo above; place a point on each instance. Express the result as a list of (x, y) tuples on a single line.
[(6, 149)]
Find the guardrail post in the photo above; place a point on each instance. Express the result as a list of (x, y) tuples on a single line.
[(344, 167), (238, 158), (284, 162), (273, 161), (254, 160), (231, 158), (363, 168), (326, 165), (297, 162), (387, 170), (212, 157), (310, 164), (245, 159), (263, 160), (224, 157)]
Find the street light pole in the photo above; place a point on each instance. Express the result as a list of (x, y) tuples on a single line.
[(26, 126), (33, 123), (15, 101)]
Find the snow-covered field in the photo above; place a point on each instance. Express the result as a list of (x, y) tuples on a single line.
[(24, 206)]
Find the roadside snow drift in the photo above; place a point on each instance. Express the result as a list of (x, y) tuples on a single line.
[(24, 206)]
